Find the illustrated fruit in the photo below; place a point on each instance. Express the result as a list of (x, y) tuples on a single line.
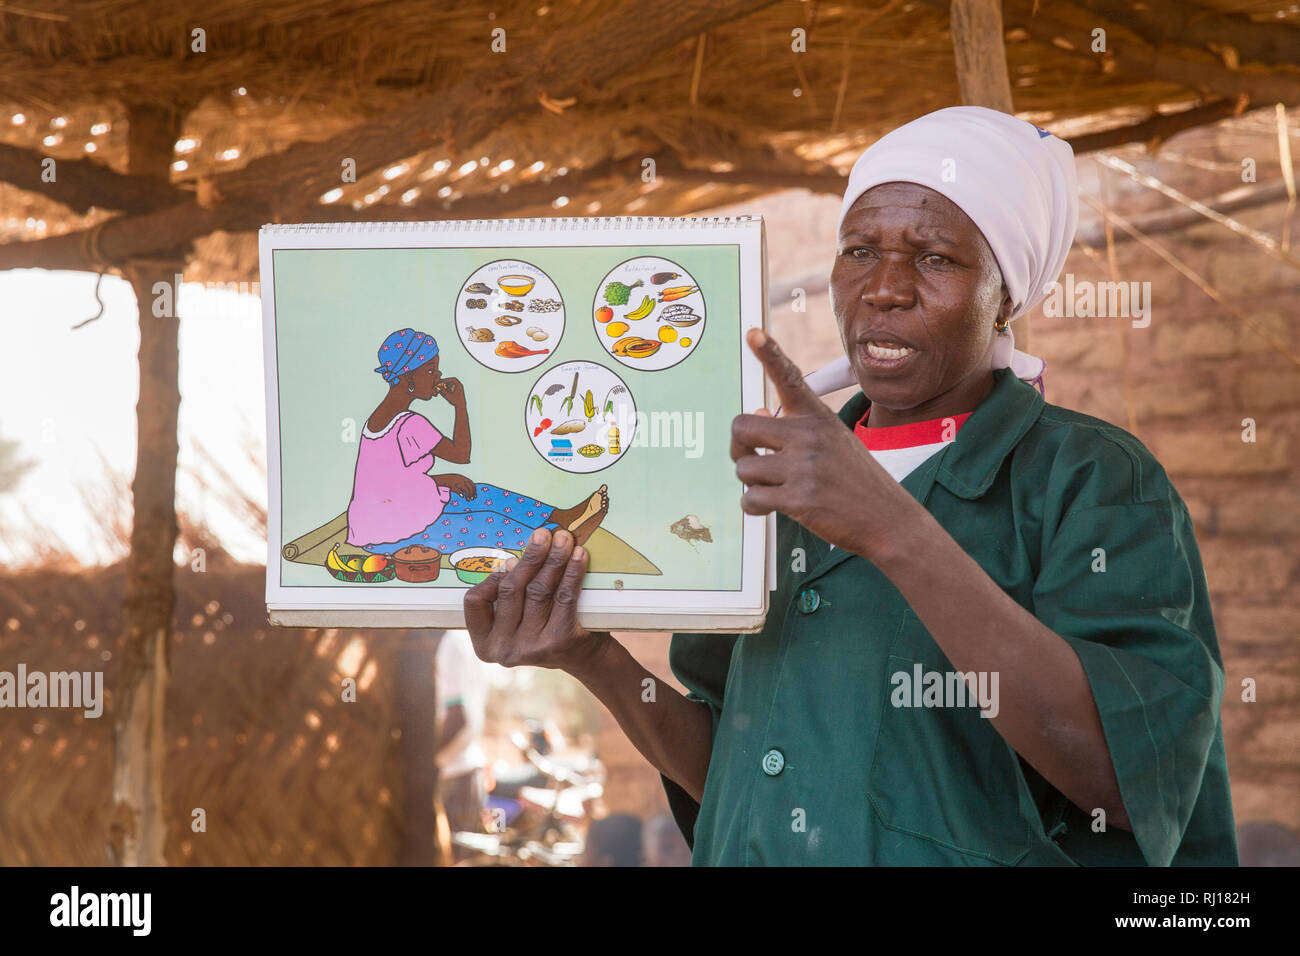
[(681, 316), (333, 562), (686, 343), (641, 311), (376, 562), (668, 334), (604, 314), (354, 563), (636, 347), (615, 329)]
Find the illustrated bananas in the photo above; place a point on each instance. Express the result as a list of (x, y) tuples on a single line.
[(353, 564), (641, 311)]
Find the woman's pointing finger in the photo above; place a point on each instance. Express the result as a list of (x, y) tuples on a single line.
[(791, 389)]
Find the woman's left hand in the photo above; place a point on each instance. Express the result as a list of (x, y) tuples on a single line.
[(818, 472), (458, 484)]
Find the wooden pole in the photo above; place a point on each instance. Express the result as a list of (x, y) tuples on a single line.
[(137, 828), (417, 715), (981, 56)]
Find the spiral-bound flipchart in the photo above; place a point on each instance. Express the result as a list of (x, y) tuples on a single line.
[(435, 391)]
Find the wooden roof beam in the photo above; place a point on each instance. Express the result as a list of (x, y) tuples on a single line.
[(1179, 65), (124, 237), (80, 184), (1159, 22), (1157, 128)]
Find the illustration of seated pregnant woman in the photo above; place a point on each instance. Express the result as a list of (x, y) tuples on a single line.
[(396, 503)]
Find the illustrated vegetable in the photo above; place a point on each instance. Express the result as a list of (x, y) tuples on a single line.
[(512, 349), (641, 311), (604, 314), (617, 293), (536, 400), (545, 424), (589, 405), (571, 427), (659, 278), (677, 292), (557, 387), (609, 398), (568, 402)]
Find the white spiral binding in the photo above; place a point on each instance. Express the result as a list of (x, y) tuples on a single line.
[(587, 223)]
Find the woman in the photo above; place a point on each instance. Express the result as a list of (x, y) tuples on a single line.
[(396, 503), (946, 523)]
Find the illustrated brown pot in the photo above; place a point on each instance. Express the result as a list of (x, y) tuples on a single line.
[(417, 564)]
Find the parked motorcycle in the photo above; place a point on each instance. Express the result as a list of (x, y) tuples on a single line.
[(538, 808)]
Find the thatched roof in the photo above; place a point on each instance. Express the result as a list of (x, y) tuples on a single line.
[(559, 123)]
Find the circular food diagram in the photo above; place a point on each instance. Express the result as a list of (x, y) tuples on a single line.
[(649, 313), (509, 315), (580, 416)]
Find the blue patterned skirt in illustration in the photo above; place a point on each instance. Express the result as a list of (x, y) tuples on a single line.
[(497, 518)]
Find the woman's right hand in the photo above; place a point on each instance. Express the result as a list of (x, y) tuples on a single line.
[(526, 612), (452, 391)]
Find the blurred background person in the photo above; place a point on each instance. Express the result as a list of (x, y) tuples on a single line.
[(662, 843), (614, 841)]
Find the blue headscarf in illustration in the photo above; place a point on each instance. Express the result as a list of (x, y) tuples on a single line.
[(404, 351)]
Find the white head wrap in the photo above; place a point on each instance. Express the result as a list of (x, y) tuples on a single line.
[(1015, 181)]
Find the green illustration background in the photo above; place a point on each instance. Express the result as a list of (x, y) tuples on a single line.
[(334, 307)]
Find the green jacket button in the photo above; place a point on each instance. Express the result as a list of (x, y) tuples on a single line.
[(773, 762), (809, 600)]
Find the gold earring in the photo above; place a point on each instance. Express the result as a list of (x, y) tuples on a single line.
[(1001, 324)]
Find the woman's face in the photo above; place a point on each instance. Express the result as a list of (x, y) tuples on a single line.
[(913, 273), (426, 378)]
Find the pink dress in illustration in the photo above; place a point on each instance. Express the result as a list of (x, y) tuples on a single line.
[(396, 502)]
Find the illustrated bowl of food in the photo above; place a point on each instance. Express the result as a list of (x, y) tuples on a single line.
[(417, 563), (359, 568), (516, 285), (475, 564)]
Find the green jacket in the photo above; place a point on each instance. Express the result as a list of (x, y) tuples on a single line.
[(811, 762)]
